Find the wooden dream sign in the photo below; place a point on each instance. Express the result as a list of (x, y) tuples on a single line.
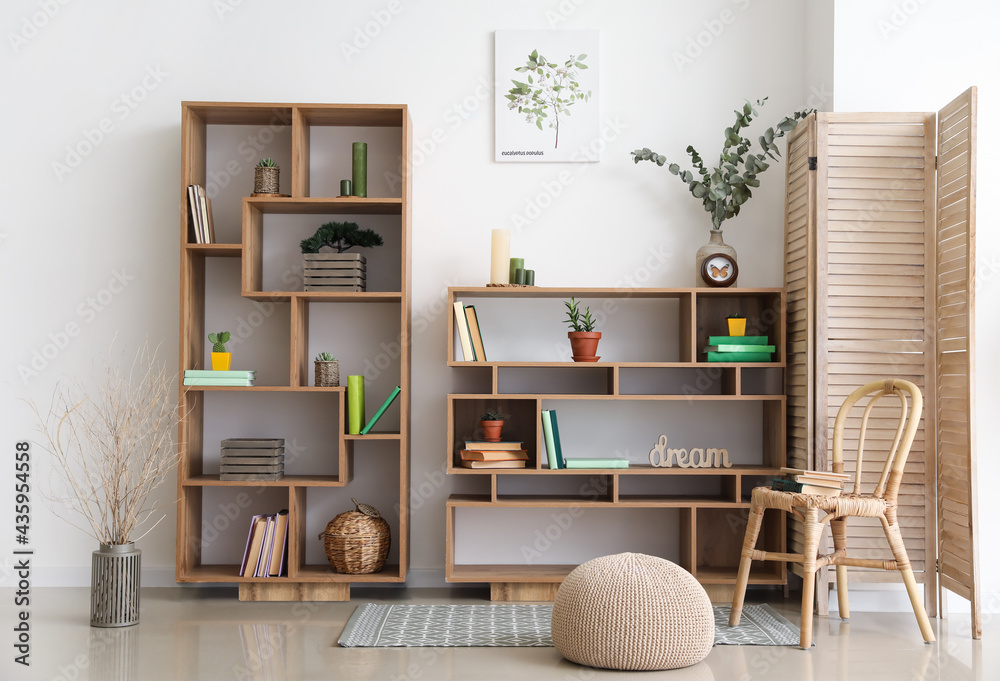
[(697, 457)]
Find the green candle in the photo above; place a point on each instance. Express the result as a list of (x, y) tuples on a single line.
[(345, 187), (359, 168), (515, 263), (519, 276), (529, 277)]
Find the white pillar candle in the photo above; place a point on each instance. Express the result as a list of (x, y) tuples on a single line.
[(500, 257)]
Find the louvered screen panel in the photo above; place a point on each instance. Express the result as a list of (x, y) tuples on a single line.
[(875, 209), (956, 463), (800, 259)]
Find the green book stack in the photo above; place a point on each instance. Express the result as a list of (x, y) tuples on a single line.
[(738, 349), (239, 379), (614, 462), (355, 404)]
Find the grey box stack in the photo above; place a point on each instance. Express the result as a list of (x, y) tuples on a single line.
[(252, 459), (335, 272)]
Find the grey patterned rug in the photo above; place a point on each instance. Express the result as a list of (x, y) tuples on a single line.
[(518, 625)]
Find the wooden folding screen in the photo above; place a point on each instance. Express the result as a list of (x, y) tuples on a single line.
[(863, 240)]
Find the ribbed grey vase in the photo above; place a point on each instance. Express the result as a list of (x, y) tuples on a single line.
[(114, 586)]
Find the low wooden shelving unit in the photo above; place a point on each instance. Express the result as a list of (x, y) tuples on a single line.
[(707, 551), (306, 127)]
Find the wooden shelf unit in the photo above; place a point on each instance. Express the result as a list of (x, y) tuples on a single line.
[(304, 580), (707, 552)]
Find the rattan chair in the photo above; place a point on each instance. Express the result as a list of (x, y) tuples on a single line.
[(881, 504)]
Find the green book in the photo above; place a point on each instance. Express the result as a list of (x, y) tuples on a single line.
[(597, 463), (550, 443), (222, 382), (355, 404), (381, 410), (560, 462), (739, 357), (737, 340), (739, 348), (208, 373)]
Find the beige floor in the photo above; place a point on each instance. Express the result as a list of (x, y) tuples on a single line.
[(195, 634)]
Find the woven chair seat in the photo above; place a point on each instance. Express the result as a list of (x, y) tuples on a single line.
[(632, 611), (858, 505)]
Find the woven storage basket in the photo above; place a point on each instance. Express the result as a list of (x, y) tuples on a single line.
[(265, 180), (327, 374), (357, 542)]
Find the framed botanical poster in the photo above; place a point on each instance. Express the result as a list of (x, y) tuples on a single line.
[(546, 95)]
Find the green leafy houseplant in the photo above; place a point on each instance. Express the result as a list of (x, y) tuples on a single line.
[(267, 163), (579, 322), (341, 236), (219, 340), (494, 414), (551, 88), (492, 423), (582, 339), (725, 188)]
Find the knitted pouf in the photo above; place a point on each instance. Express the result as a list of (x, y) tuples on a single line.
[(632, 611)]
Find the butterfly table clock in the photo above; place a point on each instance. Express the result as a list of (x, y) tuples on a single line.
[(719, 269)]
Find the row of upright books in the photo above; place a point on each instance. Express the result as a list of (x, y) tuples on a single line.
[(738, 349), (266, 554), (232, 379), (201, 229), (470, 336)]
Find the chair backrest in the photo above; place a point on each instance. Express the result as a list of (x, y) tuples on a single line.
[(909, 421)]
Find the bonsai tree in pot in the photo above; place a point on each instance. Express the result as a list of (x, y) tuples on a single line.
[(492, 423), (110, 439), (583, 339), (725, 188), (221, 358), (334, 269)]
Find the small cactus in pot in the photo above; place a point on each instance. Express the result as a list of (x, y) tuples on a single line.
[(265, 177), (221, 357)]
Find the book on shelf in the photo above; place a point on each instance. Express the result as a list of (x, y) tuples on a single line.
[(492, 464), (550, 442), (195, 234), (481, 446), (737, 340), (829, 475), (381, 410), (211, 222), (266, 549), (783, 485), (224, 382), (255, 539), (612, 462), (211, 373), (267, 546), (739, 356), (739, 348), (464, 335), (560, 463), (355, 404), (477, 336), (508, 455), (206, 220)]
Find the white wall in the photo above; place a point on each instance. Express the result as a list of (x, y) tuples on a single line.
[(918, 55), (671, 75)]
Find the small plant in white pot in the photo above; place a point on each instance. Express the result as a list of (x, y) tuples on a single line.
[(326, 265), (111, 444)]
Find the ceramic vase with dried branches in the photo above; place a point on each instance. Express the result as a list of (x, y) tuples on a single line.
[(111, 443)]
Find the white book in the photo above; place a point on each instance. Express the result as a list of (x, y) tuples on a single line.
[(462, 324)]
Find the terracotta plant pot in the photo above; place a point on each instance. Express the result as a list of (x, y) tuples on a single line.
[(737, 327), (584, 344), (491, 430), (221, 361)]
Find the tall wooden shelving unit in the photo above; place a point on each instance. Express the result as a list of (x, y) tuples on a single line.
[(304, 581), (707, 551)]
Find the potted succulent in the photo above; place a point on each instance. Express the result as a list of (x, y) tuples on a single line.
[(221, 357), (265, 177), (492, 423), (737, 325), (110, 442), (724, 189), (327, 371), (333, 269), (583, 339)]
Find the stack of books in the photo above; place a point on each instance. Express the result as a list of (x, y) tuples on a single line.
[(201, 229), (267, 546), (493, 455), (738, 349), (469, 334), (246, 458), (810, 482), (239, 379)]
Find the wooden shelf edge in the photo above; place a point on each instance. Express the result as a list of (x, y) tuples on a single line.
[(374, 436), (263, 388), (543, 501), (324, 297), (635, 469), (561, 291), (216, 250), (287, 481), (228, 574)]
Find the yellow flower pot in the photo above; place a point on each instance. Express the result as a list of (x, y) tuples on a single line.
[(737, 327), (221, 360)]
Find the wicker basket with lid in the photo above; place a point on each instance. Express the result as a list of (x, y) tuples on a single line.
[(357, 542)]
